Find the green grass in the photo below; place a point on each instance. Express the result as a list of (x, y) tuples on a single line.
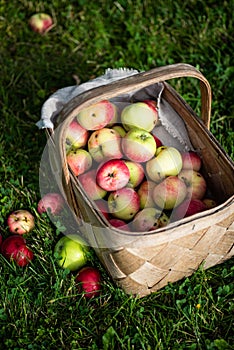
[(40, 307)]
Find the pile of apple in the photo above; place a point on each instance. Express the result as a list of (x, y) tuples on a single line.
[(134, 180), (71, 250)]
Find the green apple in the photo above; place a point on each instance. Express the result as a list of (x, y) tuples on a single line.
[(167, 162), (71, 251)]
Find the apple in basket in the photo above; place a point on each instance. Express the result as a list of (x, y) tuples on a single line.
[(90, 186), (103, 208), (14, 248), (40, 22), (191, 160), (140, 115), (187, 208), (51, 202), (20, 221), (145, 193), (124, 203), (88, 281), (97, 116), (76, 135), (167, 162), (79, 160), (113, 175), (146, 219), (169, 193), (209, 203), (195, 182), (71, 252), (120, 130), (105, 144), (136, 172), (118, 223), (138, 145)]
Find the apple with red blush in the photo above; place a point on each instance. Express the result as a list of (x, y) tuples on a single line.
[(187, 208), (41, 23), (21, 222), (191, 160), (146, 219), (169, 193), (136, 173), (113, 175), (88, 281), (138, 145), (124, 203), (195, 182), (145, 193), (105, 144), (140, 115), (90, 186), (118, 223), (76, 136), (79, 161), (97, 116)]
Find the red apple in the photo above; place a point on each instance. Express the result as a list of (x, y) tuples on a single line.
[(145, 193), (76, 135), (158, 141), (195, 182), (124, 203), (79, 161), (121, 224), (113, 175), (20, 221), (169, 193), (136, 172), (89, 281), (191, 160), (138, 145), (105, 144), (41, 22), (90, 186), (97, 116), (14, 248), (187, 208), (51, 202), (140, 115)]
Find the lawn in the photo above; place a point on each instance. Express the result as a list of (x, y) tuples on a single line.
[(40, 306)]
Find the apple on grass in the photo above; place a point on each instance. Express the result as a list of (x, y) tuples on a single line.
[(97, 116), (191, 160), (136, 172), (169, 193), (20, 221), (141, 115), (105, 144), (124, 203), (113, 175), (41, 22), (138, 145), (14, 248), (187, 208), (195, 182), (71, 252), (167, 162), (145, 193), (79, 161), (76, 135), (88, 281), (90, 186), (51, 202)]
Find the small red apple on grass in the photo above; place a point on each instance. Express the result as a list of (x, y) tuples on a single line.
[(20, 221), (14, 248), (88, 281), (41, 22), (51, 202)]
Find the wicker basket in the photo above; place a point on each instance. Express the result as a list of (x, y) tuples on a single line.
[(152, 259)]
